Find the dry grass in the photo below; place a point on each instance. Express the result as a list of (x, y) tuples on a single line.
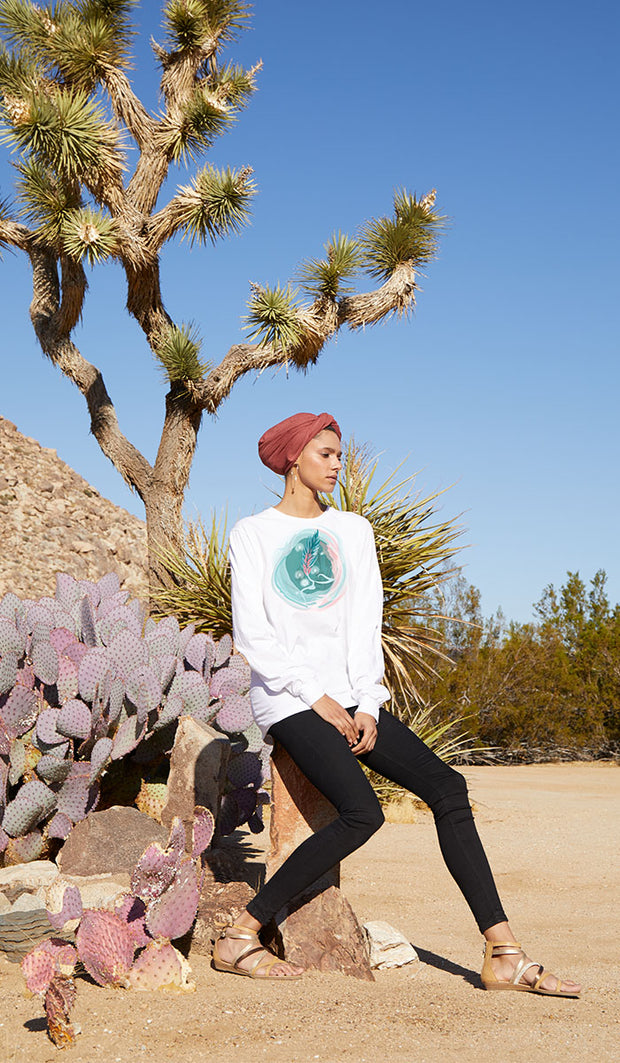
[(404, 810)]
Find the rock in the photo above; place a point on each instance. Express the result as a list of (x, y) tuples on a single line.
[(322, 932), (297, 811), (96, 891), (21, 931), (388, 947), (220, 903), (31, 876), (5, 904), (52, 520), (197, 772), (318, 930), (29, 902), (109, 841)]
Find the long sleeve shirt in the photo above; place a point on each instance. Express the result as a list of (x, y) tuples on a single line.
[(307, 605)]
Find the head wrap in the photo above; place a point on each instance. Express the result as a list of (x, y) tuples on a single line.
[(280, 446)]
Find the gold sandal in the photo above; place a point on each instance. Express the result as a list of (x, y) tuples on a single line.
[(264, 961), (511, 948)]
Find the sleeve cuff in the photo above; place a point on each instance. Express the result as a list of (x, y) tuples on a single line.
[(311, 692), (368, 706)]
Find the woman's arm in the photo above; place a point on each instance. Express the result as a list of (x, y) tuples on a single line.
[(365, 655)]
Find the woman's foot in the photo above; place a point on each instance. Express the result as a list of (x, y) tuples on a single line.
[(239, 951), (506, 958)]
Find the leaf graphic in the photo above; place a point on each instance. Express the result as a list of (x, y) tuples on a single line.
[(311, 549)]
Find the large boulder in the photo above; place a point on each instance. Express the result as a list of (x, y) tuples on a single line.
[(319, 929), (198, 765), (110, 841)]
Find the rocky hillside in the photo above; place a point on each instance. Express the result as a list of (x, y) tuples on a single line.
[(53, 521)]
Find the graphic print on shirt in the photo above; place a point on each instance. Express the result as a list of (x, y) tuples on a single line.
[(310, 571)]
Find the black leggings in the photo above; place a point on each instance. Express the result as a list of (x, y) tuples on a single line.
[(324, 756)]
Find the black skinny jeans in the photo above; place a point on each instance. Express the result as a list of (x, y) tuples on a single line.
[(324, 756)]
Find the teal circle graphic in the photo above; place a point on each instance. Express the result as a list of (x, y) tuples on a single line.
[(310, 571)]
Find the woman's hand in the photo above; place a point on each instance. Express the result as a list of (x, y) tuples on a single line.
[(333, 712), (366, 727)]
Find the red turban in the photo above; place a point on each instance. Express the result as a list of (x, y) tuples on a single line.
[(280, 446)]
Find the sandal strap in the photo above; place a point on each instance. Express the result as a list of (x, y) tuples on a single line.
[(265, 962), (523, 966), (545, 974), (243, 933), (246, 951)]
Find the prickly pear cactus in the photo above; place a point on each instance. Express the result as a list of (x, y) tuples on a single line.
[(131, 947), (86, 681)]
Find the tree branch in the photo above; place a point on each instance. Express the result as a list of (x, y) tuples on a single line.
[(50, 318), (14, 234), (319, 322), (127, 107)]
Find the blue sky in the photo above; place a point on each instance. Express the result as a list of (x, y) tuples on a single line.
[(504, 386)]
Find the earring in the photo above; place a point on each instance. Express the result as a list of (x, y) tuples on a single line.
[(293, 478)]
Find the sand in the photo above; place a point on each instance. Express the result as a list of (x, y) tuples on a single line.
[(551, 833)]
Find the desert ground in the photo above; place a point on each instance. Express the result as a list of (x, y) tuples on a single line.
[(551, 832)]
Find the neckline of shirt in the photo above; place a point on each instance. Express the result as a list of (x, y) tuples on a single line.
[(291, 516)]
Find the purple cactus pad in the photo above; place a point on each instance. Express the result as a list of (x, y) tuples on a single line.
[(105, 947), (60, 826), (160, 966), (154, 872), (34, 801), (19, 712), (71, 908), (172, 914), (74, 720), (202, 832)]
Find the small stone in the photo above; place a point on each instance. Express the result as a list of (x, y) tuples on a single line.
[(27, 902), (388, 947), (96, 891), (31, 875)]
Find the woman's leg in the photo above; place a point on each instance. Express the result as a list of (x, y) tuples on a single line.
[(401, 756), (325, 758)]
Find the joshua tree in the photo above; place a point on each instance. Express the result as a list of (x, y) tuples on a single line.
[(69, 109)]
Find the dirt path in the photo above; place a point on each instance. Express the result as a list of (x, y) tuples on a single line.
[(551, 832)]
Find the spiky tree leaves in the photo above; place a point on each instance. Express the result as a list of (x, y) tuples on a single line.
[(273, 317), (192, 131), (178, 352), (203, 24), (233, 84), (409, 237), (66, 131), (214, 205), (323, 278), (69, 111), (90, 235), (47, 202)]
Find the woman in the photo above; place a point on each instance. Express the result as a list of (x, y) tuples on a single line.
[(307, 602)]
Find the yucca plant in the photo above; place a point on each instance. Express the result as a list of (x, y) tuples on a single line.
[(414, 551)]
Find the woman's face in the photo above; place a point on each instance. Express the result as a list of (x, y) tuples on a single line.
[(320, 462)]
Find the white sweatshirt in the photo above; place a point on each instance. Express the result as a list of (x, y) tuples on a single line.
[(307, 603)]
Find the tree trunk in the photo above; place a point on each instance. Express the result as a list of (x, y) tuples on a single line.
[(164, 530)]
